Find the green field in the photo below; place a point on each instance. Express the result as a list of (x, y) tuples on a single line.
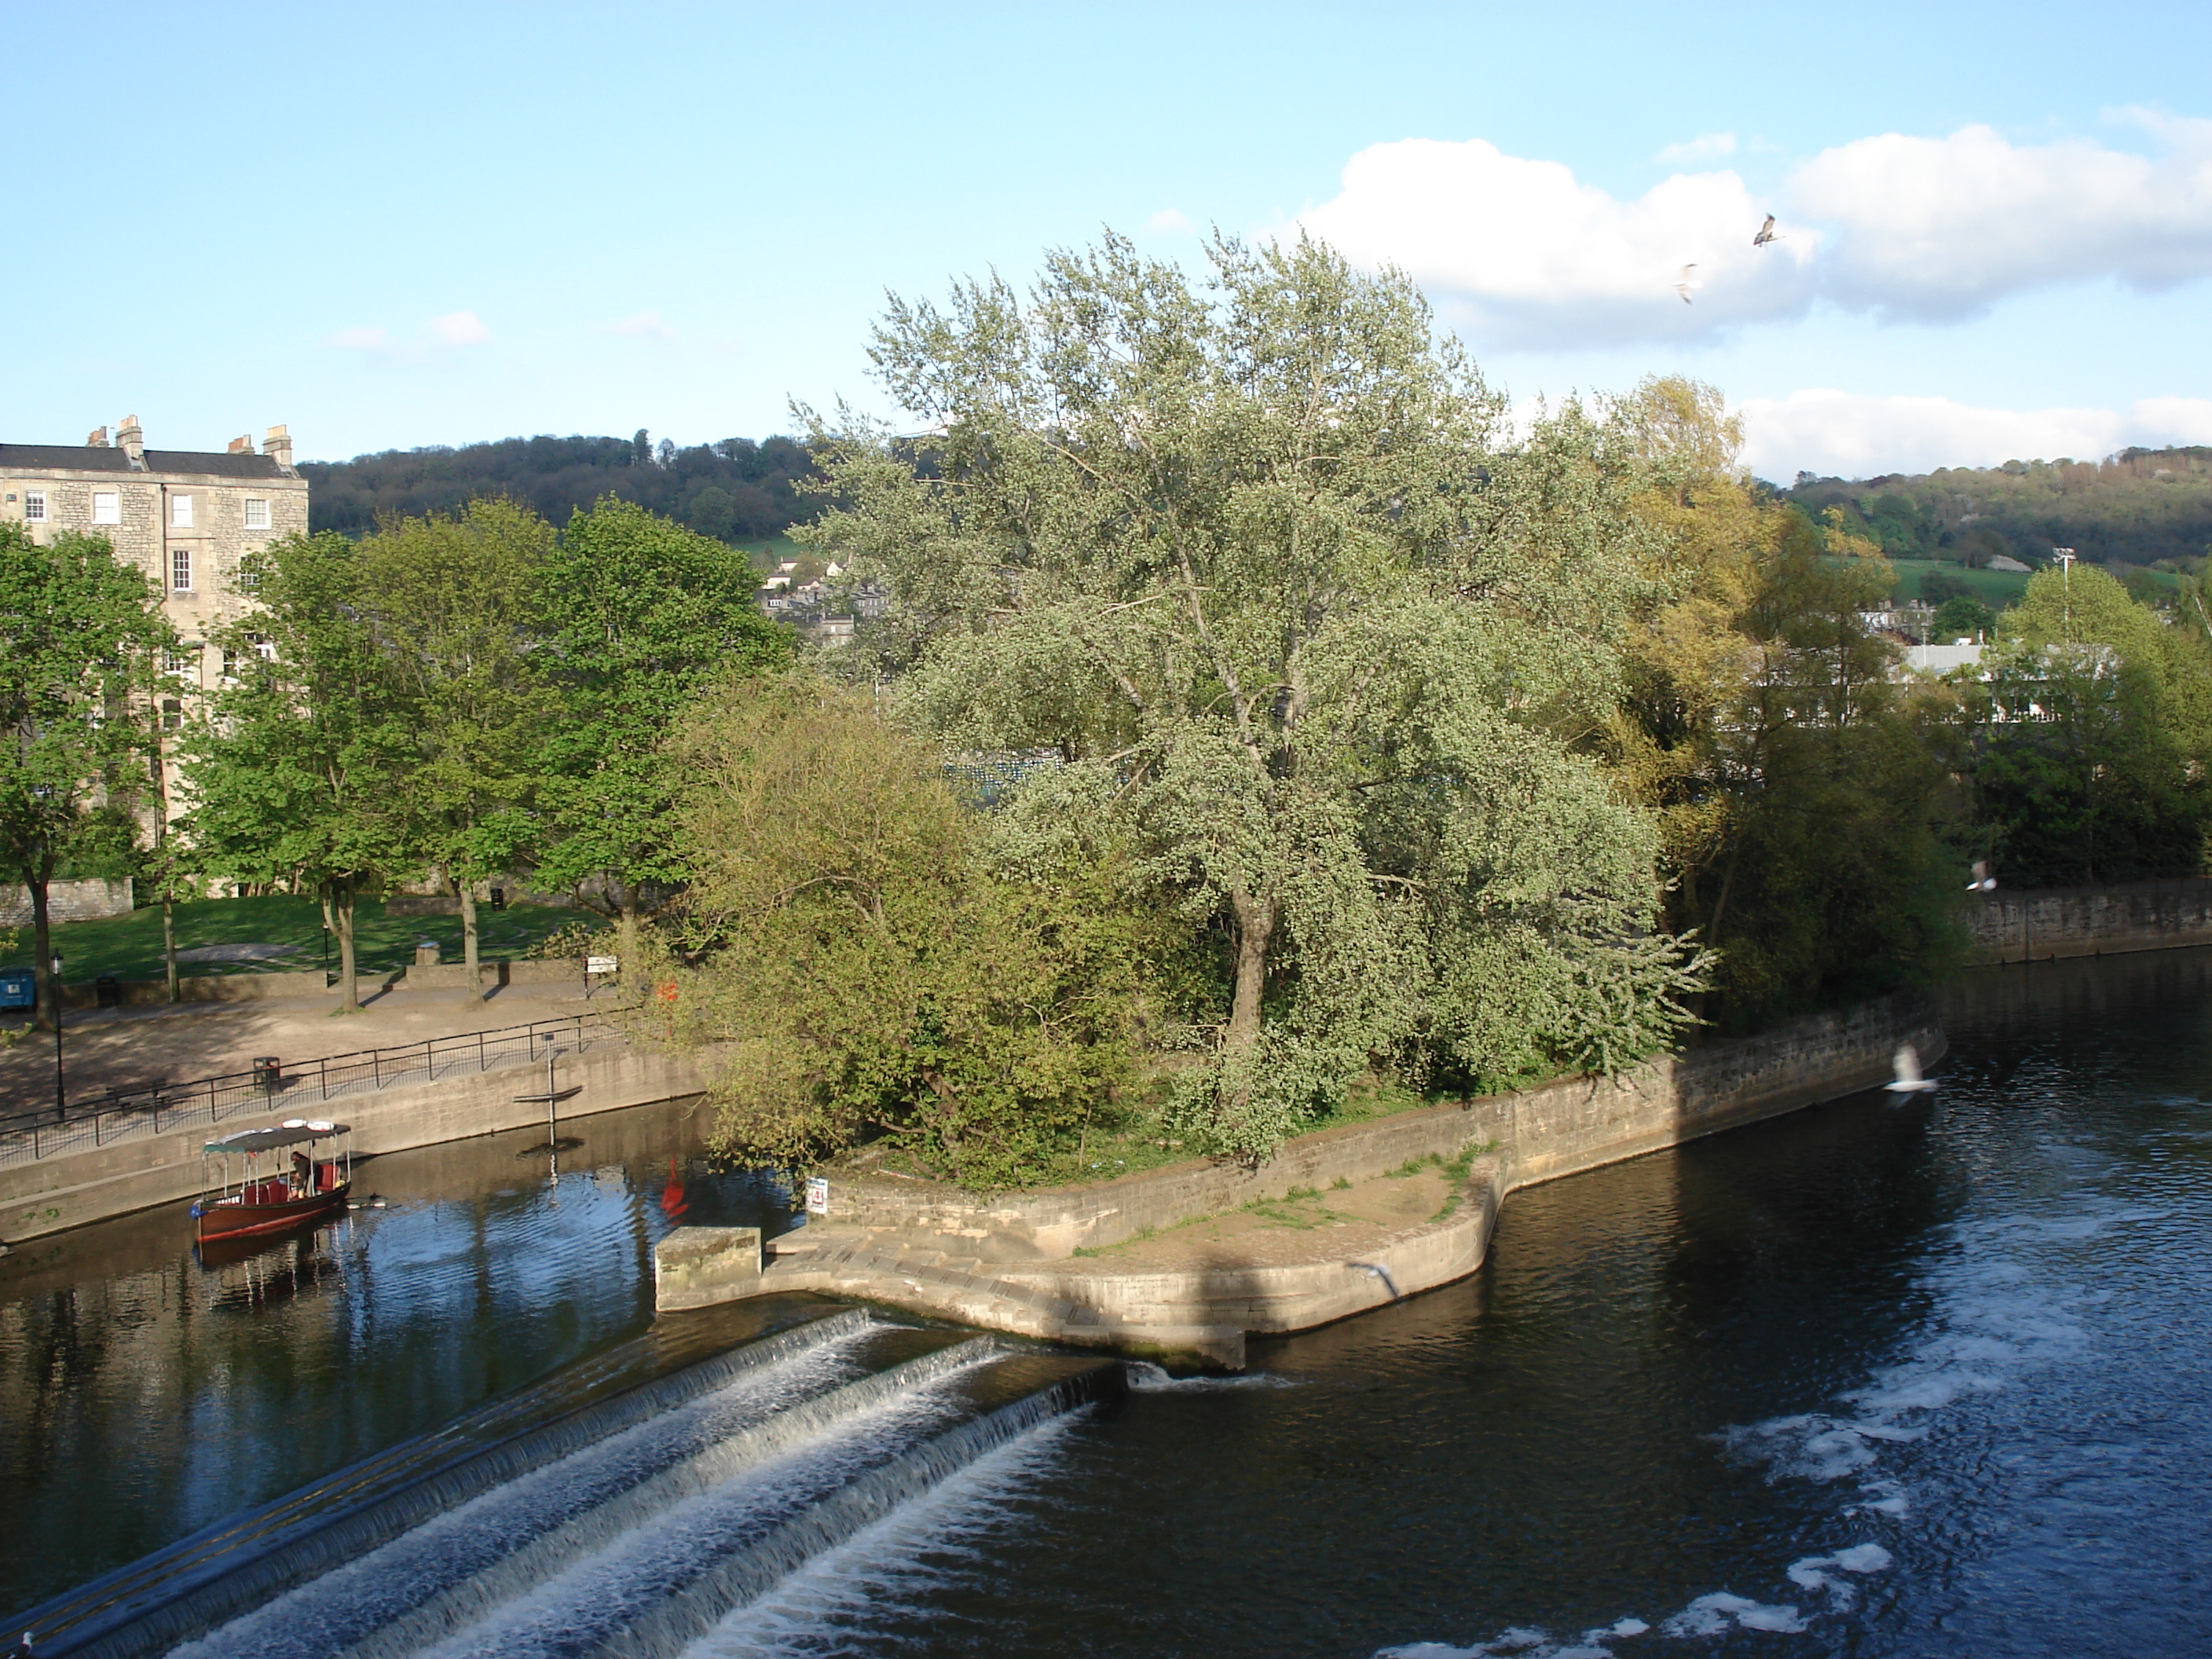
[(130, 947), (1994, 588)]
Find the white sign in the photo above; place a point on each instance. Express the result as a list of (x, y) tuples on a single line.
[(817, 1194), (602, 965)]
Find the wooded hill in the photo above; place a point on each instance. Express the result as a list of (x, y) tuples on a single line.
[(736, 490), (2140, 506)]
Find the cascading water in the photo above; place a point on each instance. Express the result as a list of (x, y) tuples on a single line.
[(629, 1527)]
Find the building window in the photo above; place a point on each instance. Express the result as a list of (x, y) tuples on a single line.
[(107, 506), (182, 664), (34, 505), (257, 513), (263, 647), (180, 570), (172, 714), (180, 513)]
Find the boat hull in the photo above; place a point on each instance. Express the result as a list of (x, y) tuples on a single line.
[(220, 1220)]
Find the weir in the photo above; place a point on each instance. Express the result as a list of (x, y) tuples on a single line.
[(628, 1525)]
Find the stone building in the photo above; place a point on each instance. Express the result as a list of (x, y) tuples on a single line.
[(184, 517)]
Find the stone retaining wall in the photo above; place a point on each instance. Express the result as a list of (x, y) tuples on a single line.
[(2044, 924), (314, 982), (68, 901), (1575, 1123)]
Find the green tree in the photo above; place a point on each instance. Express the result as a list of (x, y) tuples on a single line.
[(1255, 560), (639, 615), (300, 769), (1962, 617), (1804, 797), (78, 631), (453, 601), (2097, 731), (865, 973)]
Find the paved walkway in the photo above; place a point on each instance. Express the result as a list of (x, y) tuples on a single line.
[(134, 1046)]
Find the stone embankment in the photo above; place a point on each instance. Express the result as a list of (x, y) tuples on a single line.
[(2046, 924), (1188, 1260), (48, 1194)]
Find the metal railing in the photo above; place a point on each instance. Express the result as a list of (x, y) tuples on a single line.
[(123, 1114)]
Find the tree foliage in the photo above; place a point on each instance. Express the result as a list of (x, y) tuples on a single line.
[(80, 638), (1258, 561), (864, 972)]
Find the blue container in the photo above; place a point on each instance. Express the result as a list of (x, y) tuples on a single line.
[(19, 989)]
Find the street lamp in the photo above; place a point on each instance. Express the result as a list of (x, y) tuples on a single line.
[(60, 1100)]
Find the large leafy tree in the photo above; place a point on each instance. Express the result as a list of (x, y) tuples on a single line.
[(300, 769), (2098, 737), (453, 600), (80, 635), (1804, 794), (1258, 561), (870, 967), (638, 616)]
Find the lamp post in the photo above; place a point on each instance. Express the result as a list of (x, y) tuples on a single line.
[(60, 1099)]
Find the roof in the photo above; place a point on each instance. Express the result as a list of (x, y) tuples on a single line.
[(83, 457), (290, 1132)]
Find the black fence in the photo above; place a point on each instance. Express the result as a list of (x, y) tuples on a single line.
[(98, 1119)]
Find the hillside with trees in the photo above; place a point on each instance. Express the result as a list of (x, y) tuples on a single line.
[(736, 490), (2141, 507)]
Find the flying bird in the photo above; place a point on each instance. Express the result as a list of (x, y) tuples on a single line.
[(1906, 1063), (1984, 882), (1765, 233), (1381, 1272), (1683, 286)]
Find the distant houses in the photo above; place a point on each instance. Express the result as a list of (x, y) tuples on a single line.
[(825, 608)]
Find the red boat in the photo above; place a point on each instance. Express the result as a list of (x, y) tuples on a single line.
[(315, 1178)]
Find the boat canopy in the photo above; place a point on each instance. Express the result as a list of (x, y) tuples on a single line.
[(284, 1135)]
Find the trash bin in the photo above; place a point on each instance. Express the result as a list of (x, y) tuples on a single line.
[(499, 898), (109, 990), (269, 1072), (19, 989)]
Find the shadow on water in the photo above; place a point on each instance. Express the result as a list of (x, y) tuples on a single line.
[(148, 1389)]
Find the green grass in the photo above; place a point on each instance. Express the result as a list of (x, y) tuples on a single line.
[(1994, 588), (130, 947)]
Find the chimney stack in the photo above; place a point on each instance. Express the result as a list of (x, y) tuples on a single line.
[(98, 439), (130, 439), (242, 445), (277, 446)]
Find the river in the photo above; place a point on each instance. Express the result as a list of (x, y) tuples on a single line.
[(1871, 1379)]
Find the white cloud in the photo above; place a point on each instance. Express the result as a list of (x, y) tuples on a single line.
[(646, 326), (1519, 252), (458, 328), (358, 339), (1939, 228), (1705, 147), (1166, 222), (1850, 435)]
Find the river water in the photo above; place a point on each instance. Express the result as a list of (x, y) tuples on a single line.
[(1870, 1379)]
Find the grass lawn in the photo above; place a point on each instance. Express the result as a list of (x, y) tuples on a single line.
[(1994, 588), (130, 947)]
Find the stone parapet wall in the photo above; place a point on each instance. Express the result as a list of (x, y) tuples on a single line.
[(2044, 924), (1576, 1123), (68, 901)]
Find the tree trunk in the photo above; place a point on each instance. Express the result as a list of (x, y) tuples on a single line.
[(342, 910), (626, 927), (1255, 928), (468, 892), (169, 944), (42, 945)]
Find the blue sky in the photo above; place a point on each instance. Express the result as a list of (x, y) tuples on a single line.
[(407, 224)]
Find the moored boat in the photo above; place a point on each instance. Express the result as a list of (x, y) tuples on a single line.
[(245, 1197)]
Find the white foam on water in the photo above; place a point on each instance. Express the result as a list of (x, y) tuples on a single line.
[(881, 1567), (1817, 1572), (1713, 1615), (1523, 1642), (385, 1582), (1148, 1378)]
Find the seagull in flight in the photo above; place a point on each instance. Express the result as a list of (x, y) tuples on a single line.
[(1765, 233), (1906, 1062), (1984, 882), (1684, 284), (1379, 1271)]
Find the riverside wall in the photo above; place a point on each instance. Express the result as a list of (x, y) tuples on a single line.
[(50, 1194), (2046, 924), (1560, 1128), (315, 982)]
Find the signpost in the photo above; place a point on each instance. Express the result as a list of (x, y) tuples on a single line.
[(817, 1194), (552, 1098), (598, 968)]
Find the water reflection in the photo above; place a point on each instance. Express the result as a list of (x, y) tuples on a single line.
[(147, 1390)]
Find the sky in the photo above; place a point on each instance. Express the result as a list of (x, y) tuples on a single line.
[(401, 225)]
